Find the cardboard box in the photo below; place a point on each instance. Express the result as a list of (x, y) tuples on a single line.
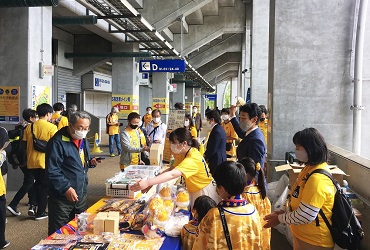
[(99, 222), (111, 223), (295, 169), (156, 154)]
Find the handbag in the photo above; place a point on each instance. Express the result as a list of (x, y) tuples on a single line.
[(38, 145), (226, 230)]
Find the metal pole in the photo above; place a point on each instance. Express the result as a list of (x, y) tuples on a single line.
[(182, 35), (357, 97)]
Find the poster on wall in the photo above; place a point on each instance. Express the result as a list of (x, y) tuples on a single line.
[(125, 104), (40, 94), (188, 106), (9, 104), (162, 104)]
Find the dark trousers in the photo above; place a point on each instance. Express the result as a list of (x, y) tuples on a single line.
[(40, 189), (61, 211), (27, 186), (2, 219)]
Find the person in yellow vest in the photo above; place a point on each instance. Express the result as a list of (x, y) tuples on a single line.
[(263, 122), (3, 243), (57, 118), (193, 168), (189, 125), (42, 130), (133, 142), (147, 118), (231, 135), (308, 196), (113, 131)]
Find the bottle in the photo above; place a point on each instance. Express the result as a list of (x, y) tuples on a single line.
[(172, 161)]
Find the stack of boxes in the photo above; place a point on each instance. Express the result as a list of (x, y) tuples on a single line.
[(106, 222)]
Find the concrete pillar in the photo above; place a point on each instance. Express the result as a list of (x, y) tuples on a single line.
[(179, 95), (25, 41), (197, 98), (259, 47), (189, 99), (307, 75), (26, 35), (233, 90), (246, 53), (161, 95), (220, 91), (125, 91)]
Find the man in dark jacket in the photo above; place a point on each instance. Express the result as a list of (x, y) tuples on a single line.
[(67, 162), (197, 119), (216, 143), (253, 143)]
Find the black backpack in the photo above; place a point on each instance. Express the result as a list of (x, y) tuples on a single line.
[(345, 229), (17, 155)]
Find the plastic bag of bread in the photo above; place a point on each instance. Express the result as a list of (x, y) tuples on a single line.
[(175, 224), (182, 201)]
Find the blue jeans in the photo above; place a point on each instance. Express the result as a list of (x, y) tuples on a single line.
[(112, 139)]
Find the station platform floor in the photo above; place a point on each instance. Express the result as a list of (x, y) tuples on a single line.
[(24, 232)]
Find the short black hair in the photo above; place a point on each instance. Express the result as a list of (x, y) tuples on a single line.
[(252, 109), (44, 109), (202, 205), (231, 176), (263, 109), (148, 108), (314, 144), (133, 115), (179, 105), (58, 106), (29, 113), (225, 110), (214, 114), (155, 111)]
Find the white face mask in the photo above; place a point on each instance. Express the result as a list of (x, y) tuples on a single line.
[(301, 155), (156, 119), (225, 117), (174, 149), (186, 123), (195, 110), (149, 112), (80, 134), (245, 126), (140, 123)]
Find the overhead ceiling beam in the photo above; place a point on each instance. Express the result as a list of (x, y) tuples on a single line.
[(221, 70), (229, 57), (223, 77), (75, 20), (231, 44), (107, 55)]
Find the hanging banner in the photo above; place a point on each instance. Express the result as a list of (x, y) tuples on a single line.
[(40, 94), (162, 104), (125, 104), (9, 104)]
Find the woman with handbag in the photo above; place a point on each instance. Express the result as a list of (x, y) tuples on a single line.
[(235, 223)]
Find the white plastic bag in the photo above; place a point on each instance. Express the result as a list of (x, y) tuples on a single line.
[(280, 204)]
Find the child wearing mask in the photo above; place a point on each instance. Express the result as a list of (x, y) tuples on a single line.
[(255, 193), (147, 118), (201, 207), (188, 124)]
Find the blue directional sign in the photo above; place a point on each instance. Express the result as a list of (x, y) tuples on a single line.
[(175, 65), (211, 97)]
